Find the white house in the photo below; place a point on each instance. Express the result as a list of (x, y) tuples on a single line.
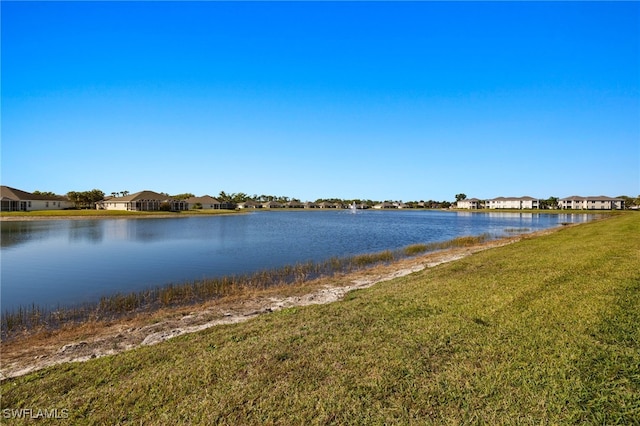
[(601, 202), (513, 203), (144, 201), (16, 200), (469, 203)]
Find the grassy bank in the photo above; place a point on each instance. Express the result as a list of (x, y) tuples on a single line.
[(544, 331), (54, 214)]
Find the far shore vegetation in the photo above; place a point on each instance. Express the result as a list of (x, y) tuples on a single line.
[(106, 214), (542, 331), (90, 199)]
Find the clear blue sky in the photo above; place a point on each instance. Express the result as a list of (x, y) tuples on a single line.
[(400, 101)]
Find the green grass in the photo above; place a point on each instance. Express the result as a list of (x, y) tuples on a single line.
[(102, 213), (544, 331)]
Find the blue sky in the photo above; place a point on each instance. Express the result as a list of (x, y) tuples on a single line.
[(372, 100)]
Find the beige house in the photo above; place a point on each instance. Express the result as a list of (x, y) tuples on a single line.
[(143, 201), (470, 203), (14, 200), (513, 203), (206, 202), (293, 204), (249, 205), (385, 205), (601, 202), (271, 205), (327, 205)]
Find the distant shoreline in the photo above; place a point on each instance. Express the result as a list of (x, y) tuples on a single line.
[(99, 214)]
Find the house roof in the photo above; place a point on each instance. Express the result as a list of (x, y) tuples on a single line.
[(205, 199), (142, 195), (591, 198), (8, 193), (385, 204), (525, 198)]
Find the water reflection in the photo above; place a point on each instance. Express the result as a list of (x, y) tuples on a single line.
[(90, 231), (15, 233)]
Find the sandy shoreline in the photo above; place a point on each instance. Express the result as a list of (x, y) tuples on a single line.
[(82, 342)]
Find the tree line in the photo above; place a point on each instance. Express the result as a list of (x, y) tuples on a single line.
[(88, 199), (241, 197)]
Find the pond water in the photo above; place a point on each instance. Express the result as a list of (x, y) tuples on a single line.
[(64, 262)]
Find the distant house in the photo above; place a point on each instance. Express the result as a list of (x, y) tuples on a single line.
[(601, 202), (14, 200), (327, 205), (513, 203), (360, 206), (385, 205), (206, 202), (469, 203), (249, 205), (293, 204), (271, 205), (144, 201), (310, 205)]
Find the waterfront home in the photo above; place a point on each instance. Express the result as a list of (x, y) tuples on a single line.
[(469, 203), (513, 203), (601, 202), (271, 205), (385, 205), (14, 200), (293, 204), (310, 205), (249, 205), (143, 201), (327, 205), (206, 202)]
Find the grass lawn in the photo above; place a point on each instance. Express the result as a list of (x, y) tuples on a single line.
[(544, 331), (108, 213)]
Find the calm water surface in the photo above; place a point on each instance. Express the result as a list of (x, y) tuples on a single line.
[(63, 262)]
